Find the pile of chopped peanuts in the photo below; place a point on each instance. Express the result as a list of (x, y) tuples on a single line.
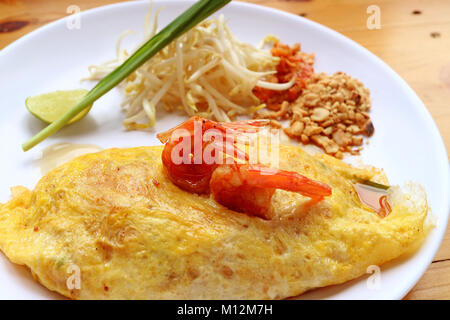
[(331, 112)]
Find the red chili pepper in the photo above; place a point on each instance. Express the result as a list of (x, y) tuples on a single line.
[(291, 63)]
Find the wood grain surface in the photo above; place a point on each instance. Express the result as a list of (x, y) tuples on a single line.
[(414, 40)]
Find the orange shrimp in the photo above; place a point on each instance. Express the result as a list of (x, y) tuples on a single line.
[(193, 173), (249, 188), (244, 187)]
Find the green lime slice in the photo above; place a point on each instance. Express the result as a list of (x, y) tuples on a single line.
[(49, 107)]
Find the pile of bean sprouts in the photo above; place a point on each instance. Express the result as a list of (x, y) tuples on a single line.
[(207, 72)]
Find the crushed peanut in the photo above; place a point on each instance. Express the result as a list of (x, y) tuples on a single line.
[(331, 112)]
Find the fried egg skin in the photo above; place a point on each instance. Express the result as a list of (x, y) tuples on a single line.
[(132, 234)]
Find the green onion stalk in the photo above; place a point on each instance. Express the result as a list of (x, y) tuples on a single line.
[(183, 23)]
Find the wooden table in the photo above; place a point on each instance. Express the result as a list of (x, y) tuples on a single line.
[(414, 40)]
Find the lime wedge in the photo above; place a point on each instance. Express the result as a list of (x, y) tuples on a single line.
[(48, 107)]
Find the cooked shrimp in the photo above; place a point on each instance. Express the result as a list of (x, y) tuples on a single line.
[(192, 172), (249, 188), (241, 187)]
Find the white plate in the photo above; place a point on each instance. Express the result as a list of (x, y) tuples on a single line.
[(406, 143)]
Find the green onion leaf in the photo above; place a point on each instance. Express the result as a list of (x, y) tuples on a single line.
[(374, 184), (183, 23)]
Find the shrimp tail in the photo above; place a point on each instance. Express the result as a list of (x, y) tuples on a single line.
[(265, 177)]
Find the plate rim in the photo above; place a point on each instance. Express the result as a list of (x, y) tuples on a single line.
[(418, 107)]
